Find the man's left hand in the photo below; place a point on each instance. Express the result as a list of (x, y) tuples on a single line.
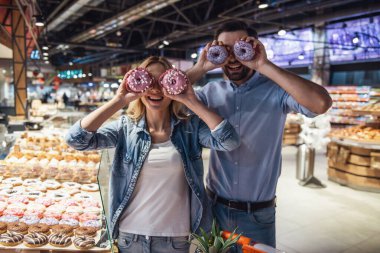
[(260, 58)]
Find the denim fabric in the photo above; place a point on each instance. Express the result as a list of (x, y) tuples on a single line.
[(259, 225), (257, 110), (131, 243), (132, 142)]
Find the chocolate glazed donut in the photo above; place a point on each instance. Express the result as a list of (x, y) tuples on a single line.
[(34, 240), (60, 240), (11, 239), (84, 242)]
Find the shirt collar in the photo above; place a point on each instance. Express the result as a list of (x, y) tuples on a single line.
[(249, 84)]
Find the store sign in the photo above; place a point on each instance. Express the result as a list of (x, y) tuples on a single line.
[(71, 73), (35, 55)]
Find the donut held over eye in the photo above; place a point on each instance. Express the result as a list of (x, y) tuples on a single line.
[(217, 54), (244, 50), (139, 80)]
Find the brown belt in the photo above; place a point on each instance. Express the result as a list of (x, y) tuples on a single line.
[(243, 206)]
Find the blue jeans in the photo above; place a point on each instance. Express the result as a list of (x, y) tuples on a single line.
[(131, 243), (259, 225)]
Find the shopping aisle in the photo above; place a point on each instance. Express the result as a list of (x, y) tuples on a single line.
[(333, 219)]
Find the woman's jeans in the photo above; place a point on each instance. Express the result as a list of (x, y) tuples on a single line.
[(131, 243), (258, 225)]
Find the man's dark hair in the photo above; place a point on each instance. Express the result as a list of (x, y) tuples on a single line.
[(232, 26)]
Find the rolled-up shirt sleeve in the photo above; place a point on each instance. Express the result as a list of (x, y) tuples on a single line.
[(105, 137), (289, 104)]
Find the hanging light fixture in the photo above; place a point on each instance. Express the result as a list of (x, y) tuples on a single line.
[(166, 43), (118, 33), (301, 56), (39, 20), (356, 39)]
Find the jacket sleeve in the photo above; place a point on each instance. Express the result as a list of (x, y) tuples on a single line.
[(105, 137), (223, 138)]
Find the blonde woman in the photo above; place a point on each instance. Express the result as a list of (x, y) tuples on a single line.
[(157, 195)]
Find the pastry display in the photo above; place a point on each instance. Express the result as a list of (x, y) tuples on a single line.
[(139, 80), (48, 190), (362, 133), (84, 242), (34, 240), (217, 54), (243, 50), (174, 81)]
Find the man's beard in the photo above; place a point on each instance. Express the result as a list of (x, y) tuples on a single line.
[(237, 76)]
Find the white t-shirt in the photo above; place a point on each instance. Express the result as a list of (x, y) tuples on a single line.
[(160, 204)]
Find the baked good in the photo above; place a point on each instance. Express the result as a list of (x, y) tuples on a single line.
[(71, 185), (34, 240), (11, 239), (18, 227), (86, 231), (71, 222), (51, 184), (83, 197), (84, 242), (15, 181), (60, 240), (30, 219), (88, 216), (3, 227), (49, 221), (217, 54), (9, 218), (46, 201), (174, 81), (90, 187), (63, 229), (14, 212), (243, 50), (139, 80), (32, 195), (92, 223)]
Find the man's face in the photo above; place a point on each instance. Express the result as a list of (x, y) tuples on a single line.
[(234, 70)]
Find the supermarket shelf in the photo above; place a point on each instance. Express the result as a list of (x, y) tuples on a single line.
[(357, 143)]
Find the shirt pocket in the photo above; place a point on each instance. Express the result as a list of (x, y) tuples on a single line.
[(122, 164)]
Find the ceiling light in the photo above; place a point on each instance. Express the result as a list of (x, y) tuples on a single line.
[(71, 64), (301, 56), (166, 42), (89, 74), (46, 58), (118, 33), (281, 32), (39, 21), (194, 55), (161, 46), (47, 62), (356, 39), (45, 48), (84, 75), (262, 4), (46, 54)]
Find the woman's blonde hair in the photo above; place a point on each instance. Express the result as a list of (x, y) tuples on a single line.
[(136, 109)]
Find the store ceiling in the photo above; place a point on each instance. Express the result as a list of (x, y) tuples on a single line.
[(119, 31)]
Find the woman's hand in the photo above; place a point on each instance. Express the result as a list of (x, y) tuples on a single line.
[(124, 95), (187, 97), (260, 58)]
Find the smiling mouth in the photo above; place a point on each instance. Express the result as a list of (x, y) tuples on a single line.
[(234, 67), (155, 98)]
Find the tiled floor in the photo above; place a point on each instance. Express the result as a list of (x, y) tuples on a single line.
[(332, 219)]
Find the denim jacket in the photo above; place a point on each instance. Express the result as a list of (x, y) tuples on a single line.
[(132, 142)]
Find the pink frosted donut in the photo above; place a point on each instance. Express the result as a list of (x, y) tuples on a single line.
[(14, 212), (69, 202), (174, 81), (88, 216), (139, 80), (74, 216), (37, 213), (217, 54), (36, 207), (46, 201), (90, 203), (55, 215), (74, 209), (3, 205), (17, 205), (244, 50), (18, 199)]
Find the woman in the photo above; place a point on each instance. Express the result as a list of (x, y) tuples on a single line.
[(157, 195)]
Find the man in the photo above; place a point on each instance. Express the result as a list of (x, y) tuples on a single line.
[(256, 99)]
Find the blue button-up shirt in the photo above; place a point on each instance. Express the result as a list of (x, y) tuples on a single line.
[(257, 109)]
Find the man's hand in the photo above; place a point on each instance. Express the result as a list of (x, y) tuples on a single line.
[(205, 64), (260, 58)]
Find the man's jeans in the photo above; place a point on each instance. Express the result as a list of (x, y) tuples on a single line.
[(131, 243), (259, 225)]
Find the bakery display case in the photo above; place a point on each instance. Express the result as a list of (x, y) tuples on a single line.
[(354, 157), (49, 196), (292, 129)]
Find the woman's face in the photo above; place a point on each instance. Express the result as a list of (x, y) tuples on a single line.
[(154, 100)]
